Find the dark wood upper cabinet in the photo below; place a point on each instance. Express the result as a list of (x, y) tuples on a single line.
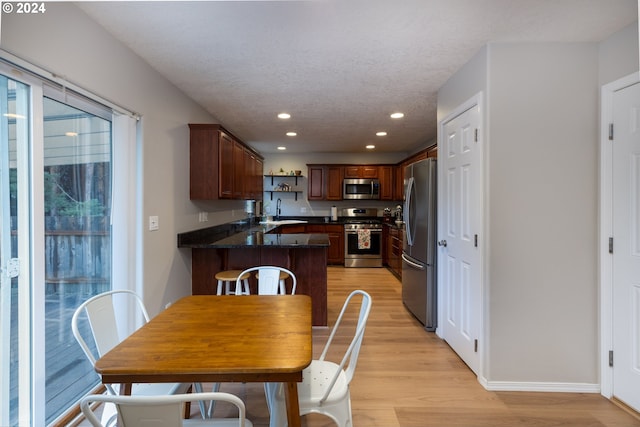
[(239, 176), (315, 189), (398, 185), (386, 177), (334, 183), (203, 157), (218, 168), (360, 171), (225, 166), (324, 182)]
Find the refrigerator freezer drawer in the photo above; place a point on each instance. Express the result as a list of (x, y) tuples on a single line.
[(418, 292)]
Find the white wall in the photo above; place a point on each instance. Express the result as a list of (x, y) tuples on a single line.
[(618, 55), (543, 203), (541, 153), (65, 41), (465, 83)]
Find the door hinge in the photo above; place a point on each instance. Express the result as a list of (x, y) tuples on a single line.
[(475, 346), (610, 245), (475, 240), (610, 131), (611, 358), (475, 137)]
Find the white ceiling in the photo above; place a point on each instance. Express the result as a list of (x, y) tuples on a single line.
[(339, 67)]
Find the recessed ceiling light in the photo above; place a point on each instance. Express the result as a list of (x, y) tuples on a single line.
[(282, 148), (370, 147), (71, 133), (291, 134), (381, 134), (397, 115), (284, 116)]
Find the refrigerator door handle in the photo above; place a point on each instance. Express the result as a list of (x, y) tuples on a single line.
[(408, 221), (411, 263)]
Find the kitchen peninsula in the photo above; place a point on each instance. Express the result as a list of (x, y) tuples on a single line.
[(238, 246)]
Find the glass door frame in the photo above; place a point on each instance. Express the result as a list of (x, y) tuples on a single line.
[(30, 235)]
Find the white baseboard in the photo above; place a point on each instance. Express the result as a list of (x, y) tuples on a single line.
[(541, 387)]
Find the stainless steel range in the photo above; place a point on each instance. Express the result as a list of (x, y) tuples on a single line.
[(362, 237)]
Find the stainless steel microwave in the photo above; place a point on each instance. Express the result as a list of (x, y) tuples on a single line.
[(361, 189)]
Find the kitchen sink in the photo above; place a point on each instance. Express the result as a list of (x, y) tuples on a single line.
[(283, 222)]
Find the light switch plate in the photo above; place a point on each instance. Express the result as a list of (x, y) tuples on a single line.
[(154, 223)]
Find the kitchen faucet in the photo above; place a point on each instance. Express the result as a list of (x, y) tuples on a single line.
[(278, 203)]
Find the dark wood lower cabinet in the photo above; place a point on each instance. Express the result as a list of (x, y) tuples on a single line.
[(335, 253), (308, 264), (394, 250)]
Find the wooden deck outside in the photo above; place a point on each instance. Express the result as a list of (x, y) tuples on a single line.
[(68, 373)]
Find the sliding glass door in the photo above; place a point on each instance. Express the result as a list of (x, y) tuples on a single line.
[(56, 175), (77, 233), (15, 235)]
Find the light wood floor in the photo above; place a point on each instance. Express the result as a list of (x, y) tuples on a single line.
[(407, 377)]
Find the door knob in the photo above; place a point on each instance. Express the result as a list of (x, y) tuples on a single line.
[(442, 243)]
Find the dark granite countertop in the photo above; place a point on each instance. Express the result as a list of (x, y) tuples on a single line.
[(259, 238), (244, 234), (393, 224)]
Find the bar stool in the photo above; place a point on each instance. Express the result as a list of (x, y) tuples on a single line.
[(282, 290), (230, 276)]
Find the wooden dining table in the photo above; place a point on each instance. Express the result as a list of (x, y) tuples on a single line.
[(208, 338)]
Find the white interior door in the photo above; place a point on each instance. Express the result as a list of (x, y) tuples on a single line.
[(626, 249), (459, 226)]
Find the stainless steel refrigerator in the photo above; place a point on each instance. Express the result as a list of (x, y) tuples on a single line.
[(419, 246)]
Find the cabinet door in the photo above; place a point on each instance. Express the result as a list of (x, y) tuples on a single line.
[(203, 163), (363, 171), (247, 180), (315, 190), (369, 171), (335, 253), (352, 172), (291, 229), (252, 178), (334, 183), (386, 182), (398, 192), (258, 182), (386, 253), (225, 166), (238, 170)]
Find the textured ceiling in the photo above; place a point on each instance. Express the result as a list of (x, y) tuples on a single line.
[(339, 67)]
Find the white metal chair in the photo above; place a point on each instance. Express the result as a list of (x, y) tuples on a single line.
[(325, 385), (100, 312), (161, 411), (271, 279)]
